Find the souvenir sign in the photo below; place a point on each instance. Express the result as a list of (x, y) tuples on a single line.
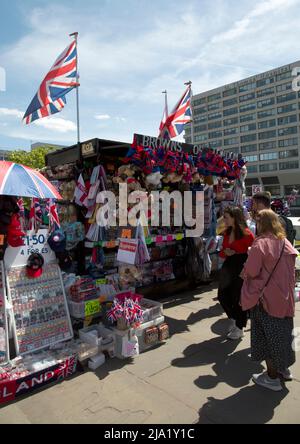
[(4, 347), (40, 311), (127, 251), (34, 243)]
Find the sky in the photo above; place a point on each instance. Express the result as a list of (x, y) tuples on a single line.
[(129, 52)]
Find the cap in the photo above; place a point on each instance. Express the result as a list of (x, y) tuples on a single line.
[(57, 240)]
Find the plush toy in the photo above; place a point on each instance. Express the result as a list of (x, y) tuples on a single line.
[(154, 178), (127, 170)]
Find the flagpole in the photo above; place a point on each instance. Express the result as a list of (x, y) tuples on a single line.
[(189, 83), (165, 92), (75, 35)]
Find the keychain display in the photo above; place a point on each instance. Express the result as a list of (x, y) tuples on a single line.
[(3, 320), (40, 310)]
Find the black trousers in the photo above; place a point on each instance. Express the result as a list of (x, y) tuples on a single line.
[(230, 286)]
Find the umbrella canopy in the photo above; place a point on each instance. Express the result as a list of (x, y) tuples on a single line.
[(20, 180)]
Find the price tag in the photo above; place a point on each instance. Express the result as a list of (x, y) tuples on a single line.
[(101, 281), (179, 236), (110, 244), (170, 237), (92, 307), (148, 240), (126, 233), (1, 239), (159, 239)]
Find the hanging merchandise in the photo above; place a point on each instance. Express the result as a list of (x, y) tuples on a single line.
[(15, 234), (4, 341), (239, 188), (81, 193)]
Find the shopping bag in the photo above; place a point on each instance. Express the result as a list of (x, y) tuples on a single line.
[(130, 346)]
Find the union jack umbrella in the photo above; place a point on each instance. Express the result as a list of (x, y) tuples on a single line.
[(61, 79), (20, 180)]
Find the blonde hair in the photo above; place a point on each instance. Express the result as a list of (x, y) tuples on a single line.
[(269, 222)]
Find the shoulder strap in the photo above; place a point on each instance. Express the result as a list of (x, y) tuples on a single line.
[(275, 264)]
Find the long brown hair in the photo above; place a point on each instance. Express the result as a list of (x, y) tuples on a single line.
[(240, 224), (269, 222)]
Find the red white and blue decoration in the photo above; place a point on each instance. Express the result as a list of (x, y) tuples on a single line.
[(181, 114), (23, 181), (60, 80)]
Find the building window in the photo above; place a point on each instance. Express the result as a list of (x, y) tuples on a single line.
[(213, 125), (268, 156), (249, 127), (230, 102), (288, 153), (232, 150), (248, 138), (283, 76), (215, 134), (267, 134), (200, 128), (287, 131), (248, 148), (265, 92), (266, 124), (214, 116), (231, 121), (215, 143), (267, 113), (248, 117), (247, 87), (287, 119), (266, 102), (188, 140), (273, 189), (231, 141), (267, 146), (284, 87), (199, 101), (249, 107), (199, 111), (293, 165), (214, 106), (229, 92), (214, 97), (251, 158), (268, 167), (188, 131), (287, 108), (201, 138), (264, 82), (286, 97), (288, 142), (251, 169), (247, 97), (288, 189), (229, 111), (199, 119), (229, 131)]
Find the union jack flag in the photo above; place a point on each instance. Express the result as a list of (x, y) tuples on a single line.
[(67, 368), (180, 115), (35, 214), (53, 215), (60, 80)]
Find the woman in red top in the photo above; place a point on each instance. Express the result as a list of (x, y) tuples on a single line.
[(237, 239)]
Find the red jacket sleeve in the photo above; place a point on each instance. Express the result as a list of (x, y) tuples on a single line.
[(242, 245)]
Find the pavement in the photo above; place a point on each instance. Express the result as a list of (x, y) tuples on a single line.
[(197, 376)]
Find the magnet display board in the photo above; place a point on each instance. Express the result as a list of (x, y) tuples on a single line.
[(4, 343), (40, 310)]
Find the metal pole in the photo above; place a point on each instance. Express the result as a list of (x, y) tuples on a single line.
[(75, 35), (189, 83)]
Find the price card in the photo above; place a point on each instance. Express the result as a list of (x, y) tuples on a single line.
[(159, 239), (148, 240), (110, 244), (179, 236), (92, 307), (1, 239), (101, 281), (170, 237), (126, 233)]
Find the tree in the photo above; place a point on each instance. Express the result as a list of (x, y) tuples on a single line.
[(34, 158)]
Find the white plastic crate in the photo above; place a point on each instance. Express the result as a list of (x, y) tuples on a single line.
[(151, 309), (99, 336), (77, 309)]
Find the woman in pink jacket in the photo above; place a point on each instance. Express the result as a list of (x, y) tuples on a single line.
[(268, 291)]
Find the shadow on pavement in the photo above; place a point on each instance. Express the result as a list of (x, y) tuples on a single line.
[(251, 405)]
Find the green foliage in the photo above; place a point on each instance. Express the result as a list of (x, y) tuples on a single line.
[(34, 159)]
